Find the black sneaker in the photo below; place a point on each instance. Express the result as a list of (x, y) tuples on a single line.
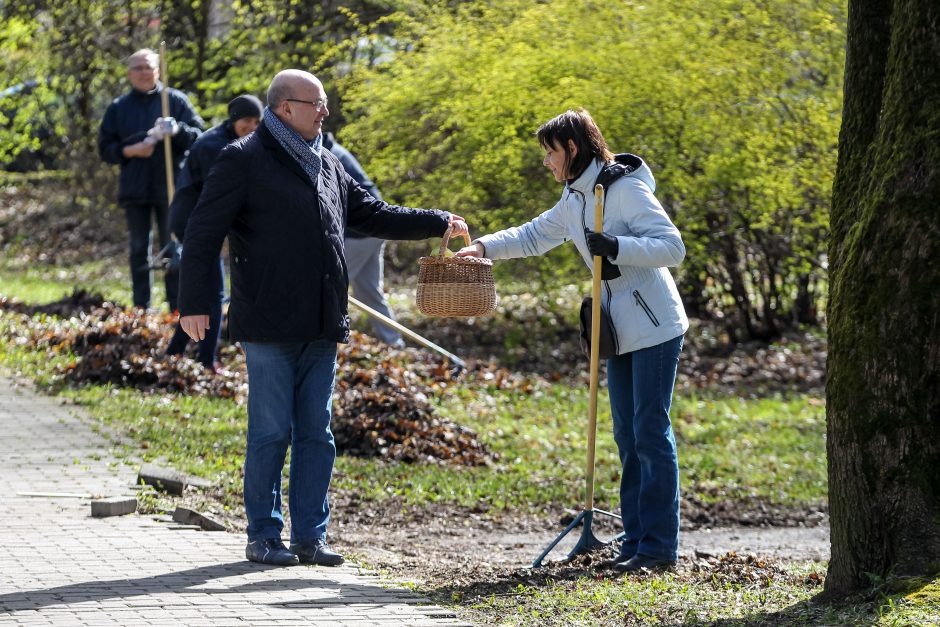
[(317, 552), (270, 551), (644, 562)]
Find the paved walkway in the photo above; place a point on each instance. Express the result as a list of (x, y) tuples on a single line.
[(60, 566)]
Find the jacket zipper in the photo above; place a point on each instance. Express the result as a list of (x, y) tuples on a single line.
[(646, 308)]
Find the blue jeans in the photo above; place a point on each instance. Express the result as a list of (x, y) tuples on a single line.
[(207, 346), (290, 393), (640, 385), (139, 227)]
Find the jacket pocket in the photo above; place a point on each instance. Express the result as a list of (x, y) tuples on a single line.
[(646, 308)]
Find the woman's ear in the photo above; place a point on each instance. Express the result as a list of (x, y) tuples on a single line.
[(572, 149)]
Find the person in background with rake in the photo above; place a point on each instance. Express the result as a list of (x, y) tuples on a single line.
[(244, 114), (285, 203), (131, 128), (636, 242)]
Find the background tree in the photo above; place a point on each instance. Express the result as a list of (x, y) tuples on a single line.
[(216, 50), (735, 105), (883, 392)]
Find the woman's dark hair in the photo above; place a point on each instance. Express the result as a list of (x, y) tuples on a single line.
[(578, 126)]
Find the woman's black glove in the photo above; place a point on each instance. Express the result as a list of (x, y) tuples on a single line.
[(601, 244)]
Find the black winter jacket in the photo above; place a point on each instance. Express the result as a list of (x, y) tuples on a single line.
[(289, 278), (126, 122), (193, 173), (354, 169)]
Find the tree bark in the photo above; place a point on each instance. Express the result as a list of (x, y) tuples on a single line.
[(884, 347)]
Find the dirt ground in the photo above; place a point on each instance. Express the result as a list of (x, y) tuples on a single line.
[(444, 550), (438, 549)]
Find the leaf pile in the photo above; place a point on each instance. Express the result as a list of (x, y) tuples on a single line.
[(535, 334), (45, 224), (796, 363), (382, 399), (538, 335), (744, 570), (79, 301), (385, 412)]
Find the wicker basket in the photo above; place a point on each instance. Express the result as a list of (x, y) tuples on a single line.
[(454, 287)]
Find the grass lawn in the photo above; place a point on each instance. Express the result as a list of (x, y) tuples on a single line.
[(730, 448)]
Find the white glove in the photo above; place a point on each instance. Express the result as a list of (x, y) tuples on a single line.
[(163, 127), (170, 126)]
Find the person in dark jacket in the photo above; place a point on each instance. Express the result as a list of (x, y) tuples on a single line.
[(285, 204), (244, 114), (363, 253), (129, 136)]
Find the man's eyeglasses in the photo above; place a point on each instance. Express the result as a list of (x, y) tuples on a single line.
[(142, 68), (319, 104)]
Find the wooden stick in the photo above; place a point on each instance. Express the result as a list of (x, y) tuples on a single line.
[(56, 495), (165, 106), (407, 332), (595, 350)]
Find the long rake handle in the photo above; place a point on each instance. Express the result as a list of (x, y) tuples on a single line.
[(165, 108), (407, 332), (595, 350)]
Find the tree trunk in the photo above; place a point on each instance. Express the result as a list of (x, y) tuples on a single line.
[(884, 340)]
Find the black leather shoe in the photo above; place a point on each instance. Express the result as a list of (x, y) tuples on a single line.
[(317, 552), (270, 551), (639, 562), (620, 559)]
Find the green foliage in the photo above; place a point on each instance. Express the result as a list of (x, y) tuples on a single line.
[(23, 109), (735, 106)]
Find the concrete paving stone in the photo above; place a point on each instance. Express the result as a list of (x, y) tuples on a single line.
[(70, 569)]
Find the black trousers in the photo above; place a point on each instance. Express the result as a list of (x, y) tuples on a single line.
[(140, 219)]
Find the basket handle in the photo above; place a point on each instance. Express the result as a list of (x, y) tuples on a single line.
[(446, 240)]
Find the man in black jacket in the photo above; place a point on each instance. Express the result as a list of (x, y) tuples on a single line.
[(244, 114), (285, 203), (130, 131)]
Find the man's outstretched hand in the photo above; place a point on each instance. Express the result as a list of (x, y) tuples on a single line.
[(459, 227)]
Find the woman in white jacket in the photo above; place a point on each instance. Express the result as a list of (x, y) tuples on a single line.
[(637, 243)]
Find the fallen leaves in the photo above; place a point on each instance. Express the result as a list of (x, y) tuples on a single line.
[(382, 400)]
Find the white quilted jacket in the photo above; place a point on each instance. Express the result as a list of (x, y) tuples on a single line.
[(643, 302)]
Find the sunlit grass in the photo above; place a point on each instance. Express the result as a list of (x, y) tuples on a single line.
[(39, 284), (667, 599), (729, 448), (773, 448), (696, 599)]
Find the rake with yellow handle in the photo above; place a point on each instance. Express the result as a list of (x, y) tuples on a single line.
[(588, 541)]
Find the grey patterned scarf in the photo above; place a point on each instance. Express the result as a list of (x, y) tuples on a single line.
[(307, 154)]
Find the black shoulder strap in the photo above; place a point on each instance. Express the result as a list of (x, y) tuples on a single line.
[(623, 165)]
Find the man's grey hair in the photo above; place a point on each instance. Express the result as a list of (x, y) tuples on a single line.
[(145, 53), (278, 92)]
